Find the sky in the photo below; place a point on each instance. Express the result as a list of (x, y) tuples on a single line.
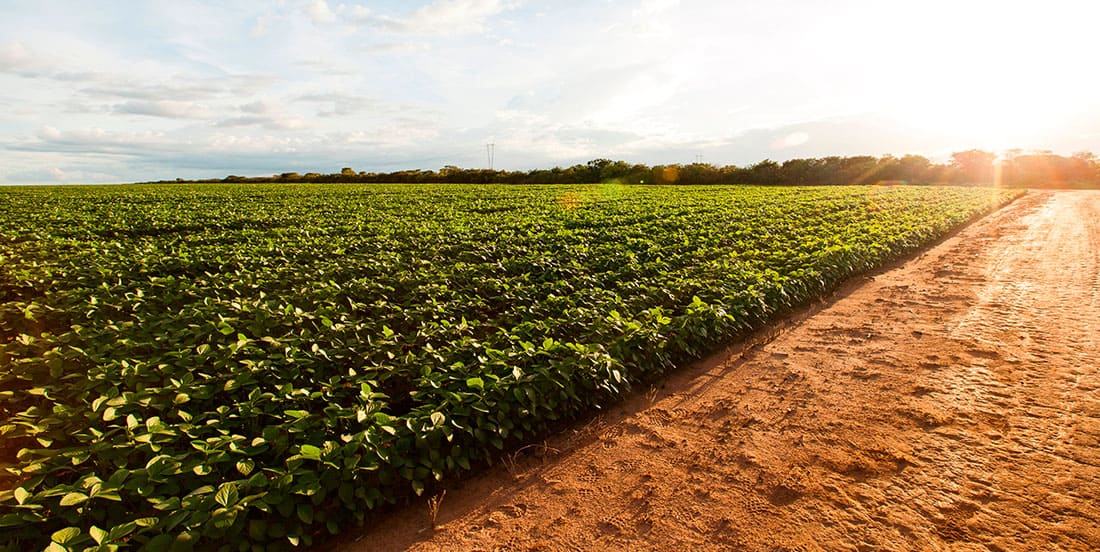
[(118, 91)]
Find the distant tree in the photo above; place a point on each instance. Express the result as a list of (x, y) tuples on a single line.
[(859, 169), (1042, 169), (638, 174), (914, 168), (765, 172), (802, 172), (614, 170), (973, 166), (1086, 157), (593, 170), (664, 174), (1036, 169)]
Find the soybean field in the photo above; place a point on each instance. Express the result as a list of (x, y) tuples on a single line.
[(253, 367)]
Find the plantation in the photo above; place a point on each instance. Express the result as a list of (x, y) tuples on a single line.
[(254, 366)]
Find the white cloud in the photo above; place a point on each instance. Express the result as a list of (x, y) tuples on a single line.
[(14, 55), (164, 108), (342, 105), (49, 133), (259, 107), (441, 17), (656, 7), (358, 14), (266, 113), (397, 48), (266, 121), (260, 28), (38, 171), (17, 59), (97, 136), (791, 140), (453, 16), (180, 88), (320, 12)]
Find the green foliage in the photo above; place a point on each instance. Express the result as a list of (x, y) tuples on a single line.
[(1035, 169), (215, 366)]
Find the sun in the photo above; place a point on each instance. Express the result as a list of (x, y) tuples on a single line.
[(998, 104), (988, 118), (979, 83)]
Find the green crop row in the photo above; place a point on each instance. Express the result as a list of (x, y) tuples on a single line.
[(252, 367)]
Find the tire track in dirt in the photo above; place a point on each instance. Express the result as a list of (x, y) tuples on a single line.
[(952, 403)]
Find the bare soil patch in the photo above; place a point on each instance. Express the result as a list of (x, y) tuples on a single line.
[(952, 403)]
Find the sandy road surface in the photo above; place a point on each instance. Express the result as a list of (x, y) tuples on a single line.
[(952, 403)]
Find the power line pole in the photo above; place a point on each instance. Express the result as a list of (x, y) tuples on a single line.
[(490, 150)]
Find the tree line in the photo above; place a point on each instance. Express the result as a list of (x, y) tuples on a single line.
[(1039, 169)]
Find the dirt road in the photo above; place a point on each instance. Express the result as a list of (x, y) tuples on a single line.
[(952, 403)]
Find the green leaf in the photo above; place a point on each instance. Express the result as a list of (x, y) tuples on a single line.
[(159, 543), (185, 542), (311, 452), (476, 383), (99, 535), (226, 495), (66, 535), (119, 531), (11, 520), (245, 467), (72, 499), (118, 478), (142, 522), (21, 495), (438, 418), (298, 414), (305, 513), (463, 460)]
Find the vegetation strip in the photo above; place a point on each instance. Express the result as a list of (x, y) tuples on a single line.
[(251, 366)]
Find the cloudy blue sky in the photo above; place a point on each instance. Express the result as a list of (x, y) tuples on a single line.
[(111, 91)]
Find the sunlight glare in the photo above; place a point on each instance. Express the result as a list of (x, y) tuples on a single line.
[(982, 83)]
